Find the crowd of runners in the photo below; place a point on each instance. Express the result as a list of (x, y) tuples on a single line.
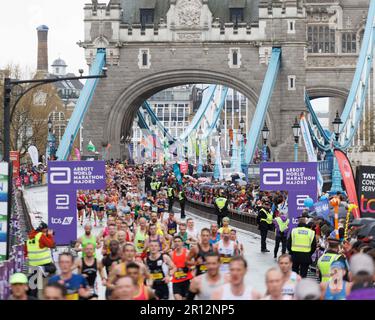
[(140, 248)]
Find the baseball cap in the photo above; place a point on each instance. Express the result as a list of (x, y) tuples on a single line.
[(307, 289), (126, 209), (147, 204), (362, 263), (18, 278), (337, 265)]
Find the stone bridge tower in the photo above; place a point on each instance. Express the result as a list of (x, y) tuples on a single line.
[(152, 45)]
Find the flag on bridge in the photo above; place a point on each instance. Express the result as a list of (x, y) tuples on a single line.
[(91, 147)]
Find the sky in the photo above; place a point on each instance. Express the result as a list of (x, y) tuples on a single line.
[(65, 21), (19, 20)]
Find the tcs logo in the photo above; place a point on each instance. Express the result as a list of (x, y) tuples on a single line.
[(60, 175), (273, 176)]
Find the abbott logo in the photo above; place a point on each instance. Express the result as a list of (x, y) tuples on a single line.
[(62, 200), (273, 176), (301, 200), (60, 175)]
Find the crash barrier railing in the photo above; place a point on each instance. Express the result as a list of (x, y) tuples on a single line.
[(19, 227)]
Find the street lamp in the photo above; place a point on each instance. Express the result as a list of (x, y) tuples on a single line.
[(336, 175), (296, 132), (265, 135), (336, 126), (10, 84), (200, 164)]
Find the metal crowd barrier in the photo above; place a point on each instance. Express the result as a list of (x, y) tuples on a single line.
[(20, 225)]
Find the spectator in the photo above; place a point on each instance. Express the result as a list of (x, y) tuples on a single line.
[(19, 285), (362, 269)]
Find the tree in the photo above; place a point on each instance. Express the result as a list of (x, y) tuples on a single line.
[(29, 123)]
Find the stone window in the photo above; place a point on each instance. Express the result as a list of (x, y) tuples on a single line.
[(291, 82), (236, 15), (349, 42), (234, 58), (291, 26), (321, 39), (147, 16), (144, 59)]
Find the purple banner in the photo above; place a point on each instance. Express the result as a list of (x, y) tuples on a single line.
[(62, 214), (298, 178), (78, 175), (64, 179)]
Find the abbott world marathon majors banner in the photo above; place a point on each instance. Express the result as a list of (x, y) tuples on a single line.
[(65, 178), (299, 179), (366, 190)]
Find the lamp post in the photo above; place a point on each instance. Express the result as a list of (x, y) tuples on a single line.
[(265, 135), (242, 147), (336, 175), (296, 132), (50, 141), (200, 164), (9, 85)]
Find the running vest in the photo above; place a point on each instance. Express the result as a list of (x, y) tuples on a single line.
[(153, 185), (139, 241), (155, 268), (324, 265), (302, 239), (216, 240), (172, 227), (90, 272), (36, 255), (226, 254), (184, 239), (341, 295), (282, 225), (289, 286), (143, 293), (228, 295), (183, 273), (85, 241), (269, 216), (220, 202), (202, 254), (207, 288)]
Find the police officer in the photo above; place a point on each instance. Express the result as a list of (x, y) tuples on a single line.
[(154, 186), (182, 200), (332, 254), (38, 248), (221, 206), (170, 193), (282, 225), (264, 220), (301, 245)]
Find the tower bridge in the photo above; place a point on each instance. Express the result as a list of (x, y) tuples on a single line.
[(153, 45)]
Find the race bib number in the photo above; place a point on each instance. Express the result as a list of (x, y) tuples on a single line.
[(225, 259), (202, 268), (156, 276), (180, 275)]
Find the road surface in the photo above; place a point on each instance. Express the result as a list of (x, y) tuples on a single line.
[(259, 263)]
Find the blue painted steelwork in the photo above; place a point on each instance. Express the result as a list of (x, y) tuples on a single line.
[(155, 120), (218, 111), (81, 107), (353, 110), (207, 98), (263, 103)]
